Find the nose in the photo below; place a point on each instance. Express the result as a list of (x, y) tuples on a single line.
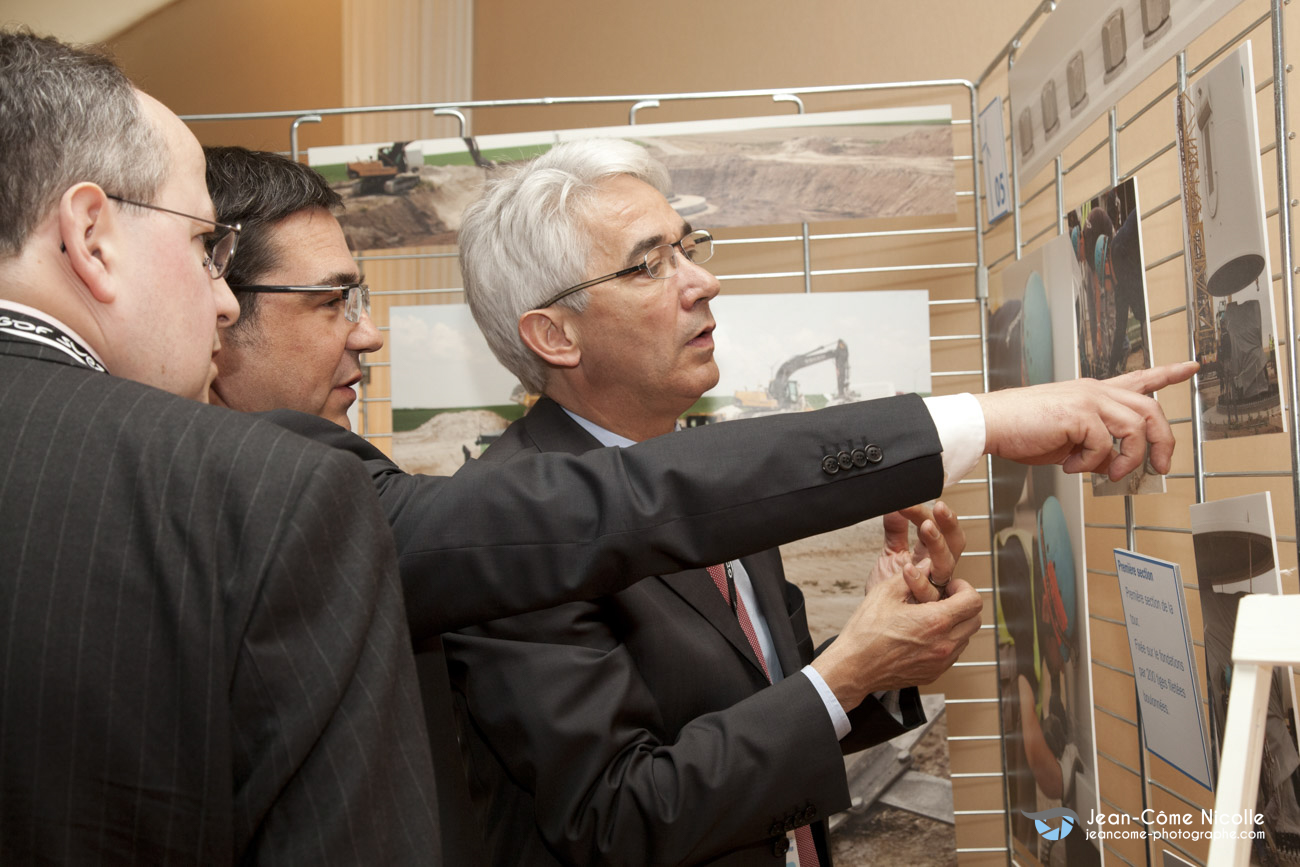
[(364, 336), (227, 306), (698, 283)]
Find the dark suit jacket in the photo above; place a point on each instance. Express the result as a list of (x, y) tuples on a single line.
[(202, 639), (498, 539), (639, 728)]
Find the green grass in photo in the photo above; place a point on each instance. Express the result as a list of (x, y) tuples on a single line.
[(410, 419)]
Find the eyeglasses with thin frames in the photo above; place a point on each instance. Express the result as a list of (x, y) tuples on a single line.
[(356, 296), (659, 263), (220, 243)]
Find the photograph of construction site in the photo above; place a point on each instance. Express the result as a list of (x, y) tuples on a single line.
[(733, 172), (1230, 282), (776, 353)]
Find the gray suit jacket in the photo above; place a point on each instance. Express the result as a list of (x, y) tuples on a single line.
[(499, 539), (202, 638), (639, 728)]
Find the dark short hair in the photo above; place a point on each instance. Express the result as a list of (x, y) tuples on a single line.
[(258, 189), (67, 115)]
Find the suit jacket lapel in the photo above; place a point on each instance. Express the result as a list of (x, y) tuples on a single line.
[(697, 589), (551, 429)]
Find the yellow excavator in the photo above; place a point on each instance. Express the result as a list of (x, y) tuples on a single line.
[(783, 393), (395, 170)]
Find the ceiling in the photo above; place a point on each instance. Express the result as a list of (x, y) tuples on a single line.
[(78, 20)]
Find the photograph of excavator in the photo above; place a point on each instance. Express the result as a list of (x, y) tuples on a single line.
[(783, 393), (784, 352), (797, 352)]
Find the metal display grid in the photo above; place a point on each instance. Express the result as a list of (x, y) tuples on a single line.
[(1266, 29), (963, 316)]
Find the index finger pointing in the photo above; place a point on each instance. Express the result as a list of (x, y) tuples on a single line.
[(1156, 378)]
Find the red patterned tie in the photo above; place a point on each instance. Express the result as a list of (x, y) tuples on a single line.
[(803, 834)]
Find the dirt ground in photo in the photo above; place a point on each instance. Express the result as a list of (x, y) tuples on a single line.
[(881, 836)]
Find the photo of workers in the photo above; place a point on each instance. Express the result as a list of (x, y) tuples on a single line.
[(1114, 333), (1236, 554), (1039, 571), (1229, 278)]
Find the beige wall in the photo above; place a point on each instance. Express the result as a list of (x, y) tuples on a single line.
[(238, 56), (570, 48)]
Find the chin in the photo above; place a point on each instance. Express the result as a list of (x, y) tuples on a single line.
[(713, 377), (340, 419), (708, 377)]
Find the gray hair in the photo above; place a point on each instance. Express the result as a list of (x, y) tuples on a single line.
[(70, 115), (526, 239)]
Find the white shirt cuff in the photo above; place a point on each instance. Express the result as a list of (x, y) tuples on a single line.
[(839, 718), (960, 422)]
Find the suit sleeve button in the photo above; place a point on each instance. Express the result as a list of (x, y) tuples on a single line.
[(859, 457), (780, 846), (809, 814), (845, 460), (830, 466), (775, 830), (875, 454)]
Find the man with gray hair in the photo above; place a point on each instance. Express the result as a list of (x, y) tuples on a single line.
[(684, 720), (203, 646)]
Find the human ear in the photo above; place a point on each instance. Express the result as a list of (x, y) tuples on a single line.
[(550, 336), (89, 231)]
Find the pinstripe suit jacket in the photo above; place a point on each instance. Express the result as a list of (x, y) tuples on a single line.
[(202, 641)]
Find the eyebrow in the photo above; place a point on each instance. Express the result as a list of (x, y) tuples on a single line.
[(637, 253), (341, 278)]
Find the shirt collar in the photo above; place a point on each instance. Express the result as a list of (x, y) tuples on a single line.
[(604, 437)]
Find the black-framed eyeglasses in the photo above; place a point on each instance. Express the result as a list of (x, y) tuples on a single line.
[(220, 243), (660, 263), (356, 296)]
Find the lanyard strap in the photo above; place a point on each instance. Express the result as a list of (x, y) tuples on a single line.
[(18, 325)]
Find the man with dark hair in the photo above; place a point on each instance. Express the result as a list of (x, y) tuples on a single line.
[(198, 666), (304, 309)]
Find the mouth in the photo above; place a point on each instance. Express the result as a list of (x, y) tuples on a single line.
[(704, 338), (346, 386)]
